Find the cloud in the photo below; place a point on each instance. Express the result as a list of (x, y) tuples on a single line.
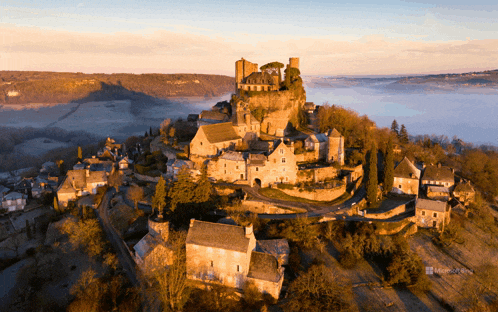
[(29, 48)]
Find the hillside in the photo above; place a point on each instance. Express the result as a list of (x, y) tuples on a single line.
[(23, 87), (474, 79)]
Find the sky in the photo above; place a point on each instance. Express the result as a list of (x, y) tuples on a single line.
[(342, 38)]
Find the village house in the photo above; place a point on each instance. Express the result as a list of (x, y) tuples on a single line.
[(278, 167), (230, 166), (406, 178), (209, 117), (79, 183), (3, 191), (464, 192), (244, 123), (431, 213), (226, 254), (212, 139), (438, 176), (154, 251), (14, 201), (173, 166), (328, 146)]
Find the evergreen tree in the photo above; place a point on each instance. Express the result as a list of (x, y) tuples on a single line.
[(202, 191), (159, 198), (372, 182), (389, 167), (183, 189), (28, 230), (150, 131), (56, 205), (403, 135), (395, 127)]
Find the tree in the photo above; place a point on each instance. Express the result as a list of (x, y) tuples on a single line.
[(183, 189), (159, 198), (273, 67), (115, 180), (89, 291), (372, 182), (319, 289), (135, 194), (80, 153), (172, 287), (203, 189), (395, 127), (403, 135), (171, 132), (86, 234), (389, 167), (301, 231), (150, 131)]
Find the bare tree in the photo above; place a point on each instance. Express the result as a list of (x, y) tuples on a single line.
[(14, 243), (115, 180), (135, 193)]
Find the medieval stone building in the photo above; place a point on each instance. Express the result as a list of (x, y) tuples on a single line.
[(327, 146), (431, 213), (406, 178), (226, 254)]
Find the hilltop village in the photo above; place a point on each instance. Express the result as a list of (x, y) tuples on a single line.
[(233, 201)]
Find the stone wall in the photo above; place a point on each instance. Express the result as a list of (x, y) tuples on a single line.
[(387, 214), (393, 228), (267, 287), (317, 194), (317, 174), (307, 156), (267, 208)]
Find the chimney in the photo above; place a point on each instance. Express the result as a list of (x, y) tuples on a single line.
[(247, 118), (248, 230), (192, 222)]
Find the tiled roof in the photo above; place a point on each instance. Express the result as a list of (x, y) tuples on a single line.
[(220, 132), (406, 169), (443, 174), (217, 235), (239, 119), (264, 267), (430, 205)]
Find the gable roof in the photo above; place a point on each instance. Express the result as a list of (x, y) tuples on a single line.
[(256, 159), (434, 173), (145, 245), (275, 247), (220, 132), (263, 266), (464, 187), (213, 115), (239, 118), (334, 133), (260, 77), (319, 137), (430, 205), (231, 155), (13, 196), (439, 189), (217, 235), (407, 170)]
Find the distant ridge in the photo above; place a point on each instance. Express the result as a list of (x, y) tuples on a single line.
[(24, 87)]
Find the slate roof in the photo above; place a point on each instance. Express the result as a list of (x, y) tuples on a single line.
[(334, 133), (220, 132), (231, 155), (217, 235), (3, 189), (145, 245), (264, 267), (96, 177), (430, 205), (13, 196), (213, 115), (80, 179), (443, 174), (256, 159), (238, 119), (320, 137), (439, 189), (405, 168), (260, 77), (464, 187), (274, 247)]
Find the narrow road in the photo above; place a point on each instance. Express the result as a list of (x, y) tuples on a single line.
[(313, 210), (124, 256)]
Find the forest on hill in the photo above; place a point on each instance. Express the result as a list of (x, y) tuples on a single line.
[(24, 87)]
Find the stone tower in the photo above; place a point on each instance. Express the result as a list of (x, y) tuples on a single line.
[(244, 68), (159, 227), (294, 62), (335, 150)]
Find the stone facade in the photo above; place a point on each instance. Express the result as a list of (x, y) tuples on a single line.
[(153, 251), (318, 194), (230, 167), (438, 176), (335, 149), (464, 192), (14, 201), (226, 254), (78, 183), (279, 167), (431, 213), (406, 178), (211, 139)]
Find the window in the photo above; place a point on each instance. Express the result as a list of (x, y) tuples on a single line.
[(225, 172), (201, 143), (242, 176), (434, 223), (238, 268), (237, 167), (434, 214), (399, 186), (257, 169), (281, 151), (283, 160), (423, 212), (225, 165), (212, 263)]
